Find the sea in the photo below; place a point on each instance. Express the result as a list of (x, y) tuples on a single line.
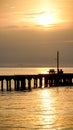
[(39, 109)]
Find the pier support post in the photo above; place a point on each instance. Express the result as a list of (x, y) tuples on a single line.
[(23, 84), (15, 85), (70, 80), (46, 82), (40, 82), (29, 84), (7, 84), (2, 85), (35, 83), (64, 81), (10, 85)]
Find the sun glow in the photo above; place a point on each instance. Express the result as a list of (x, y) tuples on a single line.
[(46, 19)]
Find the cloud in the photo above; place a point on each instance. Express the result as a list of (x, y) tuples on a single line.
[(36, 13), (30, 14), (68, 41), (9, 27)]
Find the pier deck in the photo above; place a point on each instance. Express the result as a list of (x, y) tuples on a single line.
[(50, 80)]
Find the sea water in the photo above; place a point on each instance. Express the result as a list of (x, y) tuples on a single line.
[(40, 109)]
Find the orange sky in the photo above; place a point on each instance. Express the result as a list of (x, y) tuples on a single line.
[(26, 13), (32, 31)]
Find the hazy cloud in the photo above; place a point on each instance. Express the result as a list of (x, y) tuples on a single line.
[(69, 41), (10, 27), (36, 13)]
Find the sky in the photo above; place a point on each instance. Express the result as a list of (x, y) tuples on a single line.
[(32, 31)]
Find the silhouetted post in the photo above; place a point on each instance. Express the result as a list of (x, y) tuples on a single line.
[(35, 83), (40, 82), (70, 81), (57, 61), (23, 84), (29, 84), (7, 85), (10, 85), (2, 85), (46, 82), (15, 85)]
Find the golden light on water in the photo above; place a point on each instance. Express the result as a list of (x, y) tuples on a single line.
[(45, 94), (48, 112)]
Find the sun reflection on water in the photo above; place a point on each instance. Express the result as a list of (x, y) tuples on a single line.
[(42, 109), (48, 116)]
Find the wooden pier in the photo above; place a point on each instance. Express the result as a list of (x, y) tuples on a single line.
[(24, 82), (50, 80)]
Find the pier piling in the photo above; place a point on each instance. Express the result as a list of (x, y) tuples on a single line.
[(55, 79)]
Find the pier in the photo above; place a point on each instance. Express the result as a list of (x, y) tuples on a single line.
[(50, 80), (24, 82)]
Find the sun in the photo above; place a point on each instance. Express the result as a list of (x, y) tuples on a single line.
[(46, 19)]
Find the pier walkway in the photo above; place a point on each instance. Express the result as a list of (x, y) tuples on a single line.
[(50, 80)]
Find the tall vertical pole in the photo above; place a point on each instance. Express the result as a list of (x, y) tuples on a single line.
[(57, 61)]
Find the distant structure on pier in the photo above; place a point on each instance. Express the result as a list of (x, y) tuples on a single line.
[(59, 71)]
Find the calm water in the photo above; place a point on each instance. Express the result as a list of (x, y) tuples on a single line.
[(40, 109)]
